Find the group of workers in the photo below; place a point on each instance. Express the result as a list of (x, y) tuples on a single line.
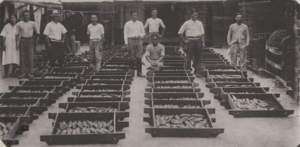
[(18, 42)]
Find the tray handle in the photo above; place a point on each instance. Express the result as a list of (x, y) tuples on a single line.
[(52, 115), (62, 105)]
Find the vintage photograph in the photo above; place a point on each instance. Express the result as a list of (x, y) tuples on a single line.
[(149, 73)]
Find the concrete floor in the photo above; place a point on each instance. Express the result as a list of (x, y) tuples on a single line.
[(239, 132)]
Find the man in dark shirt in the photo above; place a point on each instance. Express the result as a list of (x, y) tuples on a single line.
[(71, 25)]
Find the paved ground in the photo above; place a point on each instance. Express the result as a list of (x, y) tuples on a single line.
[(239, 132)]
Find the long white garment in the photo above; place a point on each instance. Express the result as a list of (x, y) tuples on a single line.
[(11, 54)]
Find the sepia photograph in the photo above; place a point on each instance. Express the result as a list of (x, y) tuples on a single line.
[(149, 73)]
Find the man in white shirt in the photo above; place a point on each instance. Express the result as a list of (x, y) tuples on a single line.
[(55, 38), (25, 42), (194, 40), (96, 32), (133, 33), (154, 23), (238, 39)]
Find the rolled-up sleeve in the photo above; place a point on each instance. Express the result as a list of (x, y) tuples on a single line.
[(64, 30), (182, 28), (146, 24), (202, 31), (47, 29), (142, 29), (102, 30), (162, 24)]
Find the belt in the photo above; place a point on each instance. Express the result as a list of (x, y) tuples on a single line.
[(54, 40), (26, 38), (194, 38), (95, 39)]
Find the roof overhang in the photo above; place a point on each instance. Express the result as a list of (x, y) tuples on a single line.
[(53, 4)]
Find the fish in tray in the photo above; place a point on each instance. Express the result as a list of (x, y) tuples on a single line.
[(85, 127), (252, 104), (226, 76), (101, 95), (183, 98), (173, 81), (93, 109), (101, 90), (11, 114), (177, 86), (175, 106), (57, 77), (5, 129), (181, 121)]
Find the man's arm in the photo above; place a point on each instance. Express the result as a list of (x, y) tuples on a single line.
[(125, 33), (17, 36), (36, 30), (247, 36), (202, 31), (146, 26), (64, 31), (181, 31), (162, 54), (102, 33), (229, 36), (164, 28), (142, 30), (46, 33), (4, 46), (147, 53)]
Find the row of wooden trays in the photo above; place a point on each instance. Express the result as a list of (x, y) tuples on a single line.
[(97, 114), (239, 94), (24, 103), (175, 107)]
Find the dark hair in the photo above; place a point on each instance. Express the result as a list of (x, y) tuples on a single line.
[(15, 15), (239, 14), (154, 35), (194, 11), (133, 11), (67, 11), (26, 11), (152, 9)]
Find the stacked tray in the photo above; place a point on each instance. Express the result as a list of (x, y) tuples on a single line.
[(24, 103), (174, 103), (96, 114), (240, 94)]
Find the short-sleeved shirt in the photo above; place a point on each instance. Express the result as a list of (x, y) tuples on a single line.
[(25, 29), (154, 24), (238, 33), (192, 28), (95, 31), (155, 52), (54, 30)]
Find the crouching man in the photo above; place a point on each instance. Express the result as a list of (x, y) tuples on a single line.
[(155, 53)]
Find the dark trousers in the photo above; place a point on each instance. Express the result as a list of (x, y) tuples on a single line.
[(26, 47), (194, 49), (56, 53)]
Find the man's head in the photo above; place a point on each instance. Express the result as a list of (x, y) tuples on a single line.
[(154, 38), (26, 15), (134, 15), (154, 12), (94, 18), (55, 15), (194, 13), (68, 14), (239, 18)]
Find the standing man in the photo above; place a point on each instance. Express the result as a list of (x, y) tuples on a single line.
[(96, 32), (194, 41), (133, 33), (71, 25), (153, 23), (155, 53), (26, 32), (238, 39), (55, 38)]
